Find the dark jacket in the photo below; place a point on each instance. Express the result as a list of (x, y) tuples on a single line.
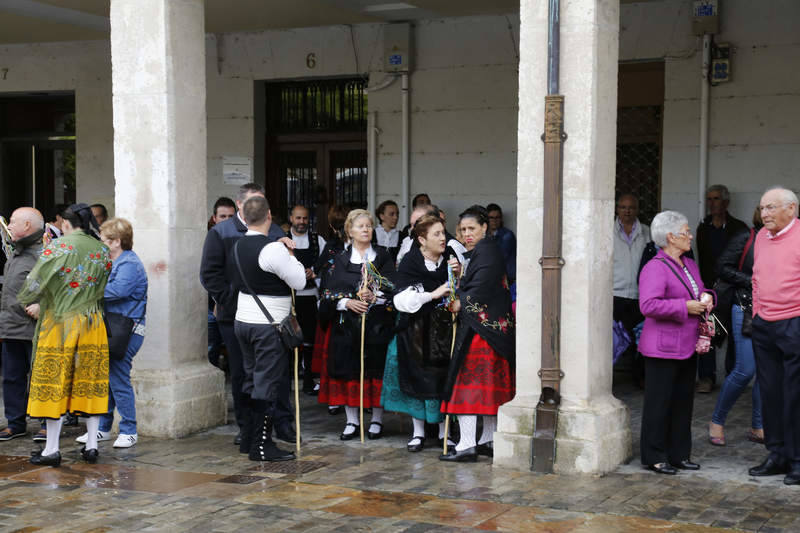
[(14, 322), (705, 255), (728, 268), (217, 267)]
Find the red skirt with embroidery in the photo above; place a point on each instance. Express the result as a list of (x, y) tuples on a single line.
[(334, 391), (321, 340), (484, 382)]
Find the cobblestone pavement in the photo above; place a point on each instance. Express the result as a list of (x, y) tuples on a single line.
[(201, 483)]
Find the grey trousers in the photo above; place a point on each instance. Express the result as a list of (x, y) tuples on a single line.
[(264, 358)]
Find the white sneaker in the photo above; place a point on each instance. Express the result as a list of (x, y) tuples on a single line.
[(101, 436), (125, 441)]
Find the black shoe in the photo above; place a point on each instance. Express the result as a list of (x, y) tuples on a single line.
[(376, 435), (792, 478), (70, 420), (486, 449), (686, 464), (770, 467), (663, 468), (467, 456), (334, 410), (237, 440), (46, 460), (269, 451), (413, 448), (286, 434), (349, 436), (450, 446), (310, 392), (90, 456)]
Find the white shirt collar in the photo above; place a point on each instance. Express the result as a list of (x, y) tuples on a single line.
[(770, 235), (355, 256)]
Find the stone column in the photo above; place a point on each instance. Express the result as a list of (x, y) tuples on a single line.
[(159, 106), (593, 433)]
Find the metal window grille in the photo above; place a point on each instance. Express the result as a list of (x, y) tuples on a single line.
[(349, 169), (639, 157), (317, 106), (298, 173)]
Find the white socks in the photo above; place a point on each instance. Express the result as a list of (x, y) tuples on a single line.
[(92, 425), (468, 425), (53, 434), (489, 427), (377, 418), (419, 428)]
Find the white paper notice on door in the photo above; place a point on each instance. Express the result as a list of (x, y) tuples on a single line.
[(236, 170)]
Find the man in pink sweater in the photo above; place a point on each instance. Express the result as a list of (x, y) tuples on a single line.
[(776, 332)]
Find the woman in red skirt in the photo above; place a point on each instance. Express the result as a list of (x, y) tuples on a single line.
[(343, 303), (481, 374)]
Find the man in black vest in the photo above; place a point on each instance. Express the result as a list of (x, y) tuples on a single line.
[(307, 248), (217, 272), (269, 272)]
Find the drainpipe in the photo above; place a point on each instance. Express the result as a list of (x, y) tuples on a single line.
[(543, 444), (404, 155), (704, 102), (372, 148)]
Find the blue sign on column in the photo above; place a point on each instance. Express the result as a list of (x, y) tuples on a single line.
[(395, 59)]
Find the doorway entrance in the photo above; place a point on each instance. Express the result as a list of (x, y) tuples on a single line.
[(316, 146)]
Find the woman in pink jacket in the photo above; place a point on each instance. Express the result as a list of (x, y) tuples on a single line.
[(672, 298)]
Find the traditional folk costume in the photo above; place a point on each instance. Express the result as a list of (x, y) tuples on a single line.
[(341, 386), (70, 366), (418, 357), (322, 336), (481, 373)]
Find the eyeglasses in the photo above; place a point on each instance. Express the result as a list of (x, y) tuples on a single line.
[(770, 208), (686, 234)]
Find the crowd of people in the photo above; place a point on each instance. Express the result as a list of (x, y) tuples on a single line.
[(413, 321), (72, 316), (747, 284)]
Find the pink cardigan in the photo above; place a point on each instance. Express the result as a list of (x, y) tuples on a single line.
[(669, 331)]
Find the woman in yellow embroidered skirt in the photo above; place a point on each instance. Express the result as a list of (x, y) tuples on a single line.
[(70, 365)]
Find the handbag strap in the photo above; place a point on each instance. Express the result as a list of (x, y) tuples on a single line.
[(247, 285), (683, 282), (747, 246)]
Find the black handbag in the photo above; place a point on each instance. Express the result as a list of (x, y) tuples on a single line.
[(119, 329), (289, 328)]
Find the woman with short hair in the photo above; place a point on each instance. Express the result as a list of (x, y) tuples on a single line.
[(481, 373), (126, 294), (70, 366), (672, 298), (343, 303)]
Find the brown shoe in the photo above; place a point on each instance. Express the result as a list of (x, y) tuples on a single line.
[(40, 436), (704, 386)]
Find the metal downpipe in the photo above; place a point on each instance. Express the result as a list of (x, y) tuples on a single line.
[(543, 444)]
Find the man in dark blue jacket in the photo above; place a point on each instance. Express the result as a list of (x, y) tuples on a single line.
[(505, 240), (217, 274)]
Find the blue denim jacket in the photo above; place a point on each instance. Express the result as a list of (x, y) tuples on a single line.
[(508, 244), (126, 290)]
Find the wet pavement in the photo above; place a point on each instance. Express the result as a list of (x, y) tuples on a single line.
[(201, 483)]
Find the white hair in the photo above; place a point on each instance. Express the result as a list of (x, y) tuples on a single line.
[(787, 196), (666, 222)]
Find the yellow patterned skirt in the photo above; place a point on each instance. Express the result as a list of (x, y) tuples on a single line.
[(70, 368)]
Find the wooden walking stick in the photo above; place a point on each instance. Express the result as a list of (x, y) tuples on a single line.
[(297, 388), (364, 285), (451, 280)]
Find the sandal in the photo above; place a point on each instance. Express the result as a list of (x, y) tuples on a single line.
[(752, 436)]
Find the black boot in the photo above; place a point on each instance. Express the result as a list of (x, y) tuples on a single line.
[(263, 448), (248, 421)]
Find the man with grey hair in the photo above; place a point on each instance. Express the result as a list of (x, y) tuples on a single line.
[(713, 234), (776, 332), (16, 325), (630, 239)]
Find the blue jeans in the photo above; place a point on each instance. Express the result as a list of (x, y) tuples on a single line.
[(741, 375), (121, 392)]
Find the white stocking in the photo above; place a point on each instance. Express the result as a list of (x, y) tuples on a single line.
[(377, 416), (352, 418), (449, 436), (92, 425), (419, 428), (489, 427), (469, 426), (53, 434)]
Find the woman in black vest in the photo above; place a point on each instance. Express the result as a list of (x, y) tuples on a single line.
[(418, 357), (344, 301), (481, 374)]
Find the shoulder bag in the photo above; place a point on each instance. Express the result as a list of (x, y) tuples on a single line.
[(119, 329), (289, 328)]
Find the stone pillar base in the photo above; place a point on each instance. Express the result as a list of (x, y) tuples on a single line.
[(591, 438), (174, 402)]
